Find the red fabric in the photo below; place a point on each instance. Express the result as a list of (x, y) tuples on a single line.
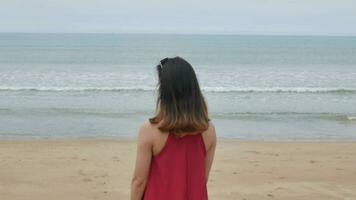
[(178, 171)]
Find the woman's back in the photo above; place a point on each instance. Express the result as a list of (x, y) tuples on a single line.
[(175, 166), (178, 171)]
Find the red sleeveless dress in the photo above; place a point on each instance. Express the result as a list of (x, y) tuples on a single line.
[(178, 171)]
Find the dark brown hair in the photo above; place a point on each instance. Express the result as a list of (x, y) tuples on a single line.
[(180, 106)]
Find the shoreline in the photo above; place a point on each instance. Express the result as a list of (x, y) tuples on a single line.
[(223, 139), (102, 169)]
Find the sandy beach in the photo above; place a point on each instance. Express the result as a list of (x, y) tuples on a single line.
[(102, 169)]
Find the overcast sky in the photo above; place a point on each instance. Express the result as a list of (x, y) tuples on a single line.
[(292, 17)]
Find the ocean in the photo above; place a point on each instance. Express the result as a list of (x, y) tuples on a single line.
[(103, 85)]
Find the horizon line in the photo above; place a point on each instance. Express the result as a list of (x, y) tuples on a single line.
[(187, 34)]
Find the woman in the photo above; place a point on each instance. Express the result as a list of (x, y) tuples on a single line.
[(176, 147)]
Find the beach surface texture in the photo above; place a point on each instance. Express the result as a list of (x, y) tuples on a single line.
[(102, 169)]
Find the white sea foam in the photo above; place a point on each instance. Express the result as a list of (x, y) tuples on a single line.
[(279, 89), (206, 89), (352, 118), (69, 89)]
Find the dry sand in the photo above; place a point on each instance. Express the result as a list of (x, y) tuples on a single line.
[(102, 169)]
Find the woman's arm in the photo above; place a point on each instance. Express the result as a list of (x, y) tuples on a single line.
[(143, 162), (210, 151)]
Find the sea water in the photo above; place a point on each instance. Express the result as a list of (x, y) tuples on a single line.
[(104, 85)]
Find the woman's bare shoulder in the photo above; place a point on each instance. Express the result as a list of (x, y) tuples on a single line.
[(209, 135), (210, 132), (148, 131)]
